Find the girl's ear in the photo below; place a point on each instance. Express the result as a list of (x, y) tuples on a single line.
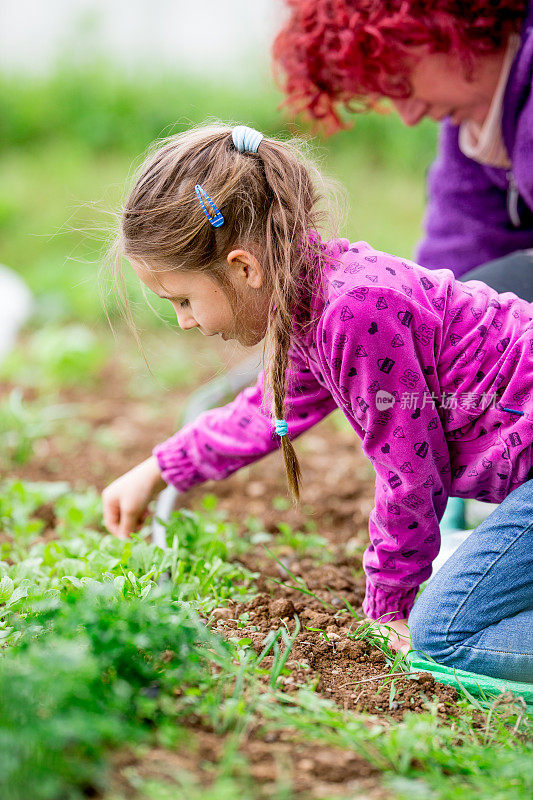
[(246, 268)]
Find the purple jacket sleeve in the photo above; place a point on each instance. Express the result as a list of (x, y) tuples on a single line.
[(390, 347), (223, 440), (467, 221)]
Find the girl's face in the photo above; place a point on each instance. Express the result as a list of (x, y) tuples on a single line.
[(199, 302)]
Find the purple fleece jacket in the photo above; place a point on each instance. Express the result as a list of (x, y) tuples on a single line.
[(477, 213), (423, 367)]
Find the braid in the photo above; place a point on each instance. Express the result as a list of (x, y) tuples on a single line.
[(277, 378), (290, 216)]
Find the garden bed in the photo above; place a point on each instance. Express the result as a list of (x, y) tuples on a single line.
[(301, 574)]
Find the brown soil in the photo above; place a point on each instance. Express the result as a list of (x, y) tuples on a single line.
[(347, 671), (119, 408), (337, 497), (276, 759)]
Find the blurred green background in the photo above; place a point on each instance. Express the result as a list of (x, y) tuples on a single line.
[(69, 141), (71, 138)]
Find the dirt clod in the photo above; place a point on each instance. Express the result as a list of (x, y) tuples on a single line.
[(282, 607)]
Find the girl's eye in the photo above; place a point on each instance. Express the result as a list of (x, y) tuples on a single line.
[(184, 303)]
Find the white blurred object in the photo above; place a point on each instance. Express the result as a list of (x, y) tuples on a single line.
[(476, 513), (16, 304), (451, 540), (158, 35)]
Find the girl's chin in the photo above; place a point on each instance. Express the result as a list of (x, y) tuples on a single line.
[(249, 340)]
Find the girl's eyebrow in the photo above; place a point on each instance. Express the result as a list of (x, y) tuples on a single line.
[(170, 296)]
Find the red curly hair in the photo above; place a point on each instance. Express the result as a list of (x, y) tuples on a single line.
[(332, 53)]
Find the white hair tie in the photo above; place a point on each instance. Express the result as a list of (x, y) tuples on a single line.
[(245, 139)]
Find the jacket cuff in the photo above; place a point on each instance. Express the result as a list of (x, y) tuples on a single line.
[(395, 603), (176, 466)]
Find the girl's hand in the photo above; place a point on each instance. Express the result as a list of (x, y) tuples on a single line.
[(125, 500), (399, 637)]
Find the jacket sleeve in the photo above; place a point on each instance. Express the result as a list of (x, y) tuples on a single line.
[(222, 440), (380, 349), (467, 220)]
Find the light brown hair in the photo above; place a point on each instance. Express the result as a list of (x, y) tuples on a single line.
[(270, 204)]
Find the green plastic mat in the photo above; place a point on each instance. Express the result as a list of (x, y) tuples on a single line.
[(483, 687)]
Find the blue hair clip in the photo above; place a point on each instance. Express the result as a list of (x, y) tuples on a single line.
[(217, 220), (282, 428)]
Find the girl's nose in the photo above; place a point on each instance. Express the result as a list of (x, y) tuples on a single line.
[(186, 321), (411, 110)]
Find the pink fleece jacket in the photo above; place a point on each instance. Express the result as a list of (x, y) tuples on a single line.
[(423, 367)]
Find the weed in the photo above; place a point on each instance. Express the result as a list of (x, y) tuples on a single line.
[(298, 584), (448, 761), (87, 674), (280, 658), (322, 633)]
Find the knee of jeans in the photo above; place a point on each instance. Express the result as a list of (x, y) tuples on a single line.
[(428, 631)]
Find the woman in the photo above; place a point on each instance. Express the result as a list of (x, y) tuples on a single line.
[(466, 65)]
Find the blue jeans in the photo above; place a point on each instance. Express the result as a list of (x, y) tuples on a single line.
[(476, 614)]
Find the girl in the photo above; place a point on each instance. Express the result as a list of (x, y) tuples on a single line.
[(434, 375)]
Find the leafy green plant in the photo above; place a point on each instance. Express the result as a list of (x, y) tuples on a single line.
[(196, 562), (89, 673), (201, 551)]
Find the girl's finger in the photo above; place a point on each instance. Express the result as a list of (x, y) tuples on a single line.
[(128, 523), (112, 517)]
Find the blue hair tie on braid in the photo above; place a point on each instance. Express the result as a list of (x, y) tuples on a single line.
[(245, 139), (282, 428)]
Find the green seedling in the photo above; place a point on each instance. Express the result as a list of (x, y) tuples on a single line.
[(243, 619), (280, 503), (322, 633), (303, 543), (81, 554), (280, 658)]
